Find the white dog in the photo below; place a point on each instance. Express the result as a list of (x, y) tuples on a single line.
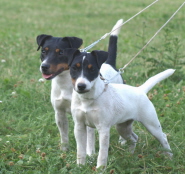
[(54, 67), (99, 105)]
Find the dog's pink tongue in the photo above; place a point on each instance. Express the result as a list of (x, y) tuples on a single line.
[(46, 76)]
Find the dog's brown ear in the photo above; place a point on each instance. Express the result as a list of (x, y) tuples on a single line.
[(101, 57), (74, 42), (41, 39), (70, 54)]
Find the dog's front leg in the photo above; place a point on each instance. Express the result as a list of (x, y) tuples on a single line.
[(81, 139), (104, 135), (62, 124), (90, 141)]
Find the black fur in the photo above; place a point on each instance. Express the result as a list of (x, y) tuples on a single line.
[(41, 39), (52, 52), (58, 42), (112, 50), (90, 63)]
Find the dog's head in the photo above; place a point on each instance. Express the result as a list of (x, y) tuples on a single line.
[(53, 60), (84, 68)]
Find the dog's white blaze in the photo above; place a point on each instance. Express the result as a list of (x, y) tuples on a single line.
[(82, 79), (41, 65)]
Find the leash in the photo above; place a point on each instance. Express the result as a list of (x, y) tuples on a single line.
[(104, 36), (106, 81), (121, 70)]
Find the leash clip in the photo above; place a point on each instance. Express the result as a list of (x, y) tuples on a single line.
[(121, 70), (106, 81)]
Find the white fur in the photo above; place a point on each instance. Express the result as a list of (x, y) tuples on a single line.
[(61, 92), (110, 74), (117, 30), (151, 82), (61, 89), (115, 104)]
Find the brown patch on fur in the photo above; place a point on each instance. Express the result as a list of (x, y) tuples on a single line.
[(56, 68), (73, 81), (89, 66), (57, 50), (46, 48), (78, 65)]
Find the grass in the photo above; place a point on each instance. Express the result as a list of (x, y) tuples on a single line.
[(29, 139)]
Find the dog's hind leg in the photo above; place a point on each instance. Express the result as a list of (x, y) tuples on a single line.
[(151, 122), (90, 141), (156, 131), (125, 130)]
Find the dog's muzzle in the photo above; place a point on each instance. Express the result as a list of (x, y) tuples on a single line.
[(81, 88), (46, 72), (45, 67)]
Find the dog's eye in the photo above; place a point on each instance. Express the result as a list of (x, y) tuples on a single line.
[(61, 52), (74, 68), (43, 51)]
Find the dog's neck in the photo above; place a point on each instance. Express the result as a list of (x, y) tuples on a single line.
[(97, 89), (63, 80)]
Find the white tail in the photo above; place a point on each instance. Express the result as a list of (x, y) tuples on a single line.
[(117, 27), (152, 81)]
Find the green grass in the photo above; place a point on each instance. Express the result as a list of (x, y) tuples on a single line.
[(27, 118)]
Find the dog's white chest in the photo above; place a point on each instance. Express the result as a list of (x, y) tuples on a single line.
[(61, 99), (90, 118), (86, 113)]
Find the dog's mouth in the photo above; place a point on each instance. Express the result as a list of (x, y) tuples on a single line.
[(51, 76), (82, 91)]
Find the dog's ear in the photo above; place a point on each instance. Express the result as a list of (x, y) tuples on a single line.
[(41, 39), (101, 57), (70, 54), (74, 42)]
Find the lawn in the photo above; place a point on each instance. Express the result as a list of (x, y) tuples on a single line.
[(29, 138)]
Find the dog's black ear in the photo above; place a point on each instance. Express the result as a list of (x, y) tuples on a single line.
[(74, 42), (70, 54), (41, 39), (101, 56)]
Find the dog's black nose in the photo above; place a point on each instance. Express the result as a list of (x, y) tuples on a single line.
[(81, 86), (45, 67)]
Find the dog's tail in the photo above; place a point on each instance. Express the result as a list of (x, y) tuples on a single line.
[(112, 49), (152, 81)]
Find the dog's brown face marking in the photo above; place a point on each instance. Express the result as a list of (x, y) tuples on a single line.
[(89, 66), (46, 48), (78, 65), (56, 68), (73, 81), (57, 50)]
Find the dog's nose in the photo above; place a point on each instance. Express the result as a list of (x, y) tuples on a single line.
[(45, 67), (81, 86)]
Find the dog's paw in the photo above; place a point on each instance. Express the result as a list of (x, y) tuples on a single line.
[(122, 141), (64, 147), (169, 155)]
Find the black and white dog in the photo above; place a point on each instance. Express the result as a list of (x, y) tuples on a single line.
[(55, 66), (99, 105)]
